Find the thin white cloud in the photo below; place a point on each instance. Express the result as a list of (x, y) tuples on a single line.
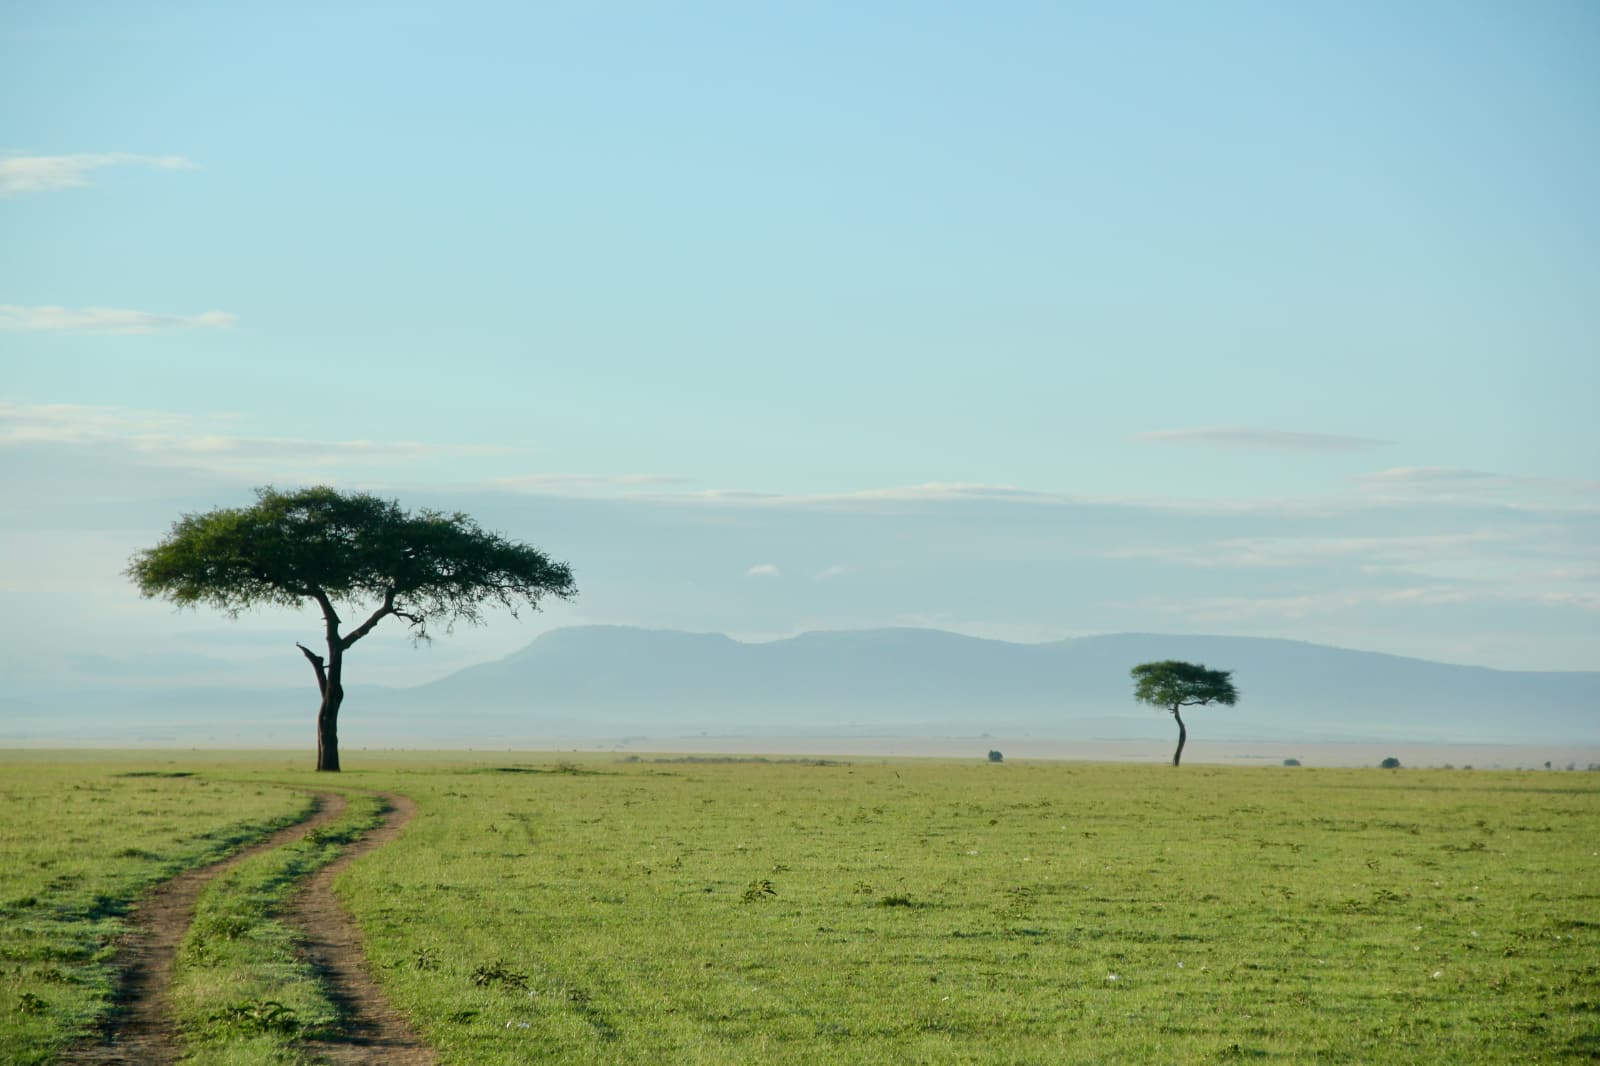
[(1374, 552), (1330, 506), (208, 442), (1214, 610), (557, 482), (21, 174), (84, 424), (763, 570), (899, 498), (1454, 481), (17, 319), (932, 491), (1259, 439), (828, 573), (1413, 475), (1583, 600), (737, 495), (1569, 573)]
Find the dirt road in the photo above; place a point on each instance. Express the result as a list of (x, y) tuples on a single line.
[(141, 1030)]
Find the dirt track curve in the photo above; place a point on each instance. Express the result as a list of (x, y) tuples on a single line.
[(371, 1031), (140, 1030)]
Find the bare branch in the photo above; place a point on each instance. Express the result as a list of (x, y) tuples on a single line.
[(319, 665), (377, 616)]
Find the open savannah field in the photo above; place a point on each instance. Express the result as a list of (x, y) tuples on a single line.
[(683, 909)]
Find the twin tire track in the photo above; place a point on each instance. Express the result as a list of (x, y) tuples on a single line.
[(141, 1030)]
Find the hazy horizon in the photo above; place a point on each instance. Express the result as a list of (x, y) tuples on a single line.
[(1199, 752)]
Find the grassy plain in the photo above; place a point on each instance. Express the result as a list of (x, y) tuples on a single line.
[(929, 911), (597, 910), (79, 841)]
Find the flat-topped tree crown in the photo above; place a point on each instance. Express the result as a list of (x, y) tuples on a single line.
[(345, 548), (1172, 685)]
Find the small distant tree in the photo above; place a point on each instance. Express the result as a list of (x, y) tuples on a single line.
[(1391, 763), (1173, 685), (345, 548), (995, 756), (1291, 762)]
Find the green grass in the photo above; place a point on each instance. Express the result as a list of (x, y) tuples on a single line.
[(917, 911), (79, 842), (241, 993), (609, 911)]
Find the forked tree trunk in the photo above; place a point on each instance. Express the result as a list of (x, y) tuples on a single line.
[(328, 683), (1183, 735)]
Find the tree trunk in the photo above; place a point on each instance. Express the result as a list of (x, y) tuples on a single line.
[(328, 673), (1183, 735), (329, 682), (328, 715), (328, 728)]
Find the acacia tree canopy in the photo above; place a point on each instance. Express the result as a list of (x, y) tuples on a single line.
[(353, 549), (1172, 685)]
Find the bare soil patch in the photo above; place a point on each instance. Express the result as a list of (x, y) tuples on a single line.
[(140, 1029), (371, 1030)]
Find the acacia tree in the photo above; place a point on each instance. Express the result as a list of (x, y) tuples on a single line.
[(345, 548), (1171, 685)]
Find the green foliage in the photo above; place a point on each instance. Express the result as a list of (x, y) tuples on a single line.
[(260, 1016), (320, 543), (1171, 684), (498, 973), (1391, 763), (758, 890)]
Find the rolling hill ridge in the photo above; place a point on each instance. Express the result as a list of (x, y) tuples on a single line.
[(611, 679)]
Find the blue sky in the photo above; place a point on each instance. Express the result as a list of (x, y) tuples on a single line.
[(1027, 320)]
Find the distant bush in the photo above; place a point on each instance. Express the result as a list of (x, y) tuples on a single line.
[(1291, 762), (1391, 763), (995, 756)]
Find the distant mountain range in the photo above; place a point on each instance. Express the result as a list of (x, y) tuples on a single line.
[(909, 682), (614, 681)]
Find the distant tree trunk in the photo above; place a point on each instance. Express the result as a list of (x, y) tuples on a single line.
[(1183, 735)]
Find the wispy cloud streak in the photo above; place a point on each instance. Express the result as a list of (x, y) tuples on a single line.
[(1279, 552), (559, 482), (1215, 610), (1454, 481), (1264, 440), (20, 174), (17, 319), (208, 442)]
